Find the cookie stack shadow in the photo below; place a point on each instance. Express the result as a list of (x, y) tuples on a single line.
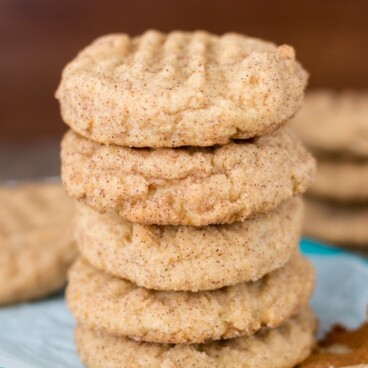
[(188, 215), (334, 125)]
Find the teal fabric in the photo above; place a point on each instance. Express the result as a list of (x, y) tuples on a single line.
[(309, 246)]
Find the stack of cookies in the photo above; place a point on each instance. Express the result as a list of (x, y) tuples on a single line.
[(188, 218), (335, 127)]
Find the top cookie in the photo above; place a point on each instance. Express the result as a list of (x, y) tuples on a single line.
[(334, 122), (179, 89)]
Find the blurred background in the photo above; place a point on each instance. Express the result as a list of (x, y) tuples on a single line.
[(37, 38)]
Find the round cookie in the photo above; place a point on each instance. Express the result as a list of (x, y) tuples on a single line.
[(185, 257), (334, 122), (119, 307), (36, 246), (180, 89), (341, 181), (187, 186), (336, 224), (282, 347)]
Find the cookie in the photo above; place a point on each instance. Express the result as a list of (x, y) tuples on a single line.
[(334, 122), (119, 307), (187, 186), (282, 347), (36, 246), (341, 180), (336, 224), (341, 348), (185, 257), (180, 89)]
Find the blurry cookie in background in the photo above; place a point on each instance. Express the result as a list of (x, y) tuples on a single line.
[(36, 246), (335, 122), (335, 223), (334, 126)]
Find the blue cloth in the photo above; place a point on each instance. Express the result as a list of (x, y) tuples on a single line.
[(309, 246)]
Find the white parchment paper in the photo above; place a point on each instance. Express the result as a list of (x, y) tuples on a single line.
[(40, 335)]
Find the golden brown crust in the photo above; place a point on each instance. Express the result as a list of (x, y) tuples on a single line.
[(180, 89), (189, 186), (283, 347), (36, 246), (119, 307), (185, 257)]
